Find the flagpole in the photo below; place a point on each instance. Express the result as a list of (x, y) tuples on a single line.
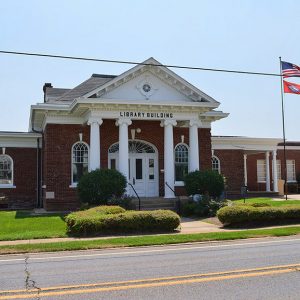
[(283, 131)]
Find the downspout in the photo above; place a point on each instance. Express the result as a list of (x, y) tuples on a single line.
[(39, 162)]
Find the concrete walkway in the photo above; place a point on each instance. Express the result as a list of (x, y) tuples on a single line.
[(187, 226)]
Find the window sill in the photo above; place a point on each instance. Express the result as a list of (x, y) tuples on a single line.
[(73, 186), (7, 186), (179, 183)]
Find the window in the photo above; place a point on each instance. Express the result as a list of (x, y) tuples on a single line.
[(278, 169), (6, 170), (290, 170), (80, 160), (181, 161), (261, 170), (215, 164)]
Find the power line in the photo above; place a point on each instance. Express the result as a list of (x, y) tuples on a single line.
[(137, 63)]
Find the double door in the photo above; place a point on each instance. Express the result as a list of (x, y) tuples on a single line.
[(143, 173)]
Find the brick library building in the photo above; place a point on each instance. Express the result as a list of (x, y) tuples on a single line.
[(148, 123)]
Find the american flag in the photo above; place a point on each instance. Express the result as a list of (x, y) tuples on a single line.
[(290, 70)]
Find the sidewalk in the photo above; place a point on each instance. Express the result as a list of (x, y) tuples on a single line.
[(188, 226)]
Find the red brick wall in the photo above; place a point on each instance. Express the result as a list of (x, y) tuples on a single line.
[(58, 141), (232, 167), (25, 178)]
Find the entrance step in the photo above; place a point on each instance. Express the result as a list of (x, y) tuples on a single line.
[(153, 203)]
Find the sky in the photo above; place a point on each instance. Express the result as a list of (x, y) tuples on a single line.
[(225, 34)]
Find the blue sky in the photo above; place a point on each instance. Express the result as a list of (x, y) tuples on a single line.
[(229, 34)]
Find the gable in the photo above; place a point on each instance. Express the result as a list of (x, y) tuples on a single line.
[(146, 87), (162, 83)]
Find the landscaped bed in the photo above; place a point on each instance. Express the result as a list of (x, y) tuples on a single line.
[(258, 214), (114, 219)]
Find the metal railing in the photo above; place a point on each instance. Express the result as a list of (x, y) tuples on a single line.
[(136, 195), (177, 203)]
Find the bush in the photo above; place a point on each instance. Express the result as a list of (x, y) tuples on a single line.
[(98, 186), (97, 221), (205, 207), (206, 182), (246, 214), (125, 201)]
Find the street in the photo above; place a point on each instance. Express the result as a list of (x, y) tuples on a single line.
[(250, 269)]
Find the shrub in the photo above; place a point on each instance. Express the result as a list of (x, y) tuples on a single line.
[(94, 221), (124, 201), (205, 207), (247, 214), (98, 186), (206, 182)]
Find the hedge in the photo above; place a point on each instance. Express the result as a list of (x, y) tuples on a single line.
[(93, 222), (246, 214)]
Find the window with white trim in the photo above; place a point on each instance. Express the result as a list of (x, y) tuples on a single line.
[(278, 169), (290, 170), (215, 164), (261, 170), (181, 153), (80, 161), (6, 170)]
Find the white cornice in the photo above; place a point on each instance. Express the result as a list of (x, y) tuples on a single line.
[(19, 140), (161, 72), (244, 143)]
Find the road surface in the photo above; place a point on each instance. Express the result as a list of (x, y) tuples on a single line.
[(251, 269)]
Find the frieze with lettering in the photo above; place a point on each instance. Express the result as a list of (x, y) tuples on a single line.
[(146, 115)]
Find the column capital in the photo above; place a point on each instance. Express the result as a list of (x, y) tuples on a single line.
[(122, 121), (96, 120), (165, 123), (267, 153), (195, 122)]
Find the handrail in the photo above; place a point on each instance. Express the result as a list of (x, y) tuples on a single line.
[(170, 188), (136, 195), (178, 208)]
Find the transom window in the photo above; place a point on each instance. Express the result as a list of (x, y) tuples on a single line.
[(215, 164), (6, 169), (133, 147), (181, 161), (80, 161)]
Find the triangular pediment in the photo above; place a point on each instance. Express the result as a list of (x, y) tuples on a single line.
[(150, 82)]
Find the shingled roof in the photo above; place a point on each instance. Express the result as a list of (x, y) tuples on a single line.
[(90, 84)]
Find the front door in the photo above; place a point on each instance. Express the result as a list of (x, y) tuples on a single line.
[(142, 167)]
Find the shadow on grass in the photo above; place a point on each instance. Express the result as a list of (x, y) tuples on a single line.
[(24, 214)]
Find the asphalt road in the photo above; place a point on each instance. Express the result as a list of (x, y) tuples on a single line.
[(250, 269)]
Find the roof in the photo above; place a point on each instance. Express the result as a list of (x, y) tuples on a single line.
[(55, 92), (90, 84)]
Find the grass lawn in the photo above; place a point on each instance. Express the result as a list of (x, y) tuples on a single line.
[(20, 225), (269, 201), (148, 240)]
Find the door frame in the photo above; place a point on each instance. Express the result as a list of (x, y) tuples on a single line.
[(149, 192)]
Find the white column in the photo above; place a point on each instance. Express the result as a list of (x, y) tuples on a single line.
[(169, 169), (94, 162), (194, 145), (123, 146), (245, 170), (274, 168), (268, 189)]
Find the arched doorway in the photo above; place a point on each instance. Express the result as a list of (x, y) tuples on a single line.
[(143, 166)]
